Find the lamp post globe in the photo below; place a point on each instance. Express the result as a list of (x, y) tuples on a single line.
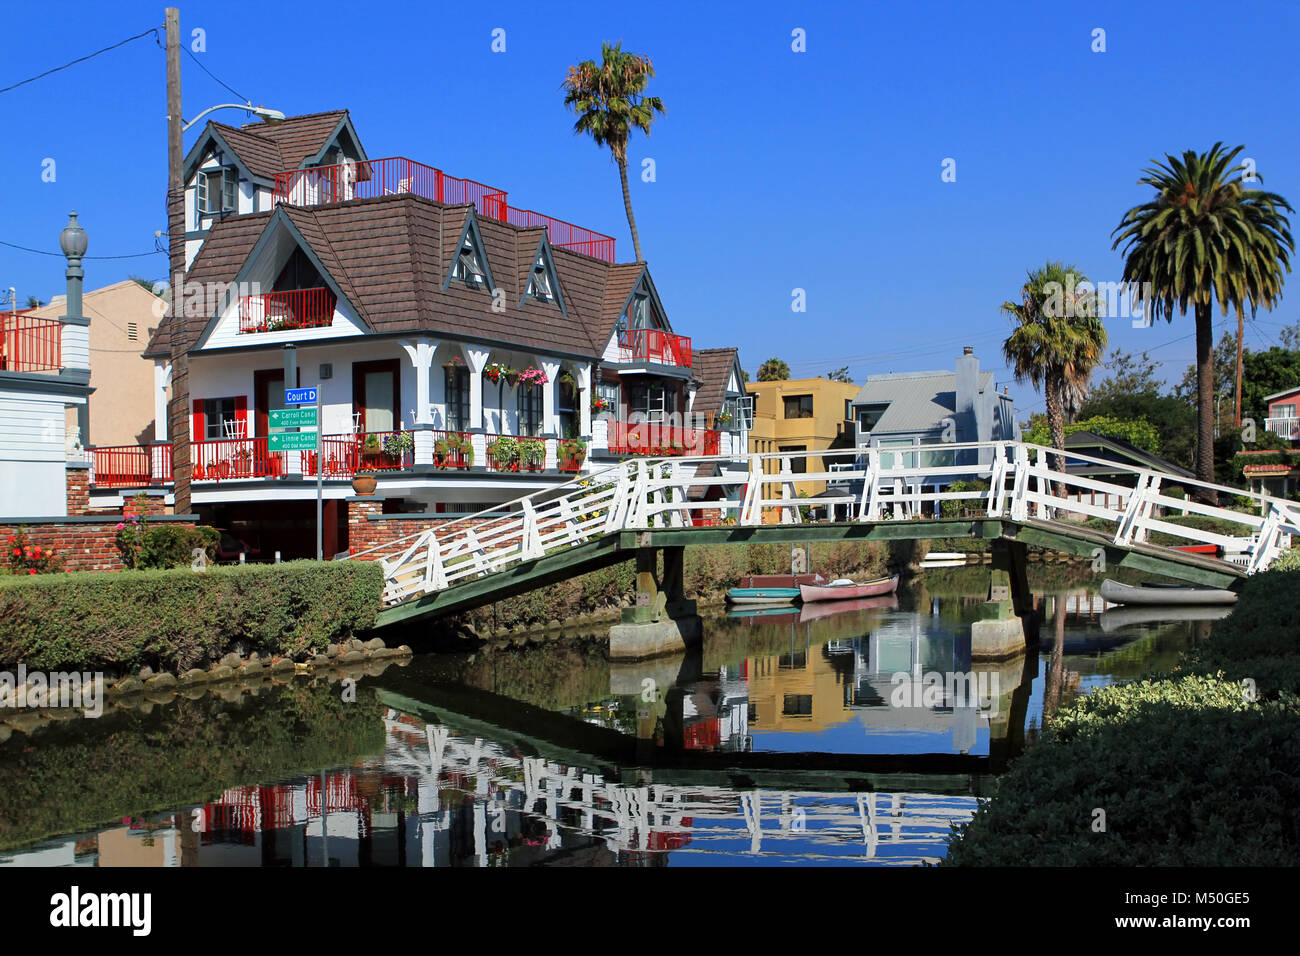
[(73, 240)]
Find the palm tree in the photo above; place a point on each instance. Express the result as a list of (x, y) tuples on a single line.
[(1058, 339), (608, 98), (1206, 238), (773, 370)]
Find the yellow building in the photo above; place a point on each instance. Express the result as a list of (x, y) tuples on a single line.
[(802, 414)]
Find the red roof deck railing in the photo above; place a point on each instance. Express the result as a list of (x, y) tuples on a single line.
[(398, 175), (654, 345), (277, 311), (28, 344)]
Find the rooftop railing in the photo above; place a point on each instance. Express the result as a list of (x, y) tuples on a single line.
[(397, 176), (28, 344)]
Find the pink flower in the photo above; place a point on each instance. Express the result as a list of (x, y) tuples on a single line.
[(120, 526)]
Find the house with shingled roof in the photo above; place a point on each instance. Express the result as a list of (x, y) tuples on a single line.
[(466, 351)]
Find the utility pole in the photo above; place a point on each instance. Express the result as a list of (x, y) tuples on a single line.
[(1240, 341), (178, 426)]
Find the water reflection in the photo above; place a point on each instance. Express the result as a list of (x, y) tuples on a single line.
[(796, 738)]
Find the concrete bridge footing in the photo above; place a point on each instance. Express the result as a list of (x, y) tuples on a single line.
[(1010, 623), (663, 620)]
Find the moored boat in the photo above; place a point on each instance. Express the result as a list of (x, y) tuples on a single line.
[(771, 588), (1166, 594), (845, 589)]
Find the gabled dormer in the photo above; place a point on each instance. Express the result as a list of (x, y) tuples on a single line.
[(469, 263), (543, 284), (642, 336)]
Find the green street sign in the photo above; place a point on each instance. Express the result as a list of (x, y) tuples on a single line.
[(292, 441), (293, 417)]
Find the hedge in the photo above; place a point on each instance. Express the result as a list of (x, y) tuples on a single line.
[(178, 619), (1191, 768)]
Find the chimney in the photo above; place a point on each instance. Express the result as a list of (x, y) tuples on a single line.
[(968, 379)]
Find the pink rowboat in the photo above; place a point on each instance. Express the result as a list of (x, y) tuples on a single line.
[(844, 588)]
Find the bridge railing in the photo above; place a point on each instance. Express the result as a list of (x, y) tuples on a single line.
[(1008, 480)]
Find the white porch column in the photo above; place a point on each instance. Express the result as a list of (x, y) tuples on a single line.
[(162, 380), (477, 361), (420, 352), (584, 398), (552, 370)]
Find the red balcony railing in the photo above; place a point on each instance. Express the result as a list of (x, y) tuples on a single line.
[(235, 458), (654, 345), (131, 466), (374, 456), (29, 345), (397, 175), (655, 440), (277, 311)]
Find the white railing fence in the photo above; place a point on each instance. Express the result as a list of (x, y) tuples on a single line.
[(1002, 480)]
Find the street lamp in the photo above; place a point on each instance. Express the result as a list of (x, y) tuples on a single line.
[(249, 107)]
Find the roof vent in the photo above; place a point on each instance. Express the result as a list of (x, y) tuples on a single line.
[(968, 350)]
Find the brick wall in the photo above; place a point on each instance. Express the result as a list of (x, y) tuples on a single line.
[(78, 490), (369, 527), (78, 545)]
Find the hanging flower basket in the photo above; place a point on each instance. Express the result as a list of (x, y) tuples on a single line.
[(532, 376), (495, 372)]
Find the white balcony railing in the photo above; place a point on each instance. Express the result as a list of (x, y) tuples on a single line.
[(1288, 428)]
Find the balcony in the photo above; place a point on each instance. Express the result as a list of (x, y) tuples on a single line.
[(397, 176), (131, 466), (278, 311), (658, 441), (29, 345), (1288, 428), (654, 345)]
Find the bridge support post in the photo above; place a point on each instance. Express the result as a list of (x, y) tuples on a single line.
[(1010, 622), (662, 620)]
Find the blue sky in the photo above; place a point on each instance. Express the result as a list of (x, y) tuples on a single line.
[(776, 170)]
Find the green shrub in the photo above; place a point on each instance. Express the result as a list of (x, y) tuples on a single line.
[(173, 546), (177, 619)]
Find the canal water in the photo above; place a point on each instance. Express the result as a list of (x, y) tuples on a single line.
[(844, 735)]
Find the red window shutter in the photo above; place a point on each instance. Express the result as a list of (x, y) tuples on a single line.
[(241, 412), (197, 428)]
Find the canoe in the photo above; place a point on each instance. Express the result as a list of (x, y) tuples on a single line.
[(1112, 619), (844, 589), (1118, 593), (762, 595)]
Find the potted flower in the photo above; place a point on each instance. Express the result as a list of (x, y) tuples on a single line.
[(495, 372), (454, 362), (532, 453), (371, 447), (573, 452), (398, 445), (599, 405), (441, 448), (531, 376), (504, 453), (363, 483), (723, 418)]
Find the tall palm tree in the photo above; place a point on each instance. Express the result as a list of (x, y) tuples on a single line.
[(608, 98), (1058, 339), (1206, 238)]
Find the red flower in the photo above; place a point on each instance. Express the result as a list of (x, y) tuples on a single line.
[(18, 552), (31, 570)]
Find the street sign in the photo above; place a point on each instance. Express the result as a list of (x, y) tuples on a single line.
[(299, 396), (292, 441), (293, 417)]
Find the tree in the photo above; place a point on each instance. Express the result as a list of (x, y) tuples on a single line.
[(1173, 418), (1138, 432), (1058, 339), (1290, 336), (1128, 376), (1267, 373), (773, 370), (33, 302), (157, 288), (1204, 239), (839, 375), (608, 98)]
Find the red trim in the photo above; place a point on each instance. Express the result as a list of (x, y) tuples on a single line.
[(197, 428)]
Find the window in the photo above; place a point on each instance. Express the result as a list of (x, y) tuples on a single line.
[(530, 410), (798, 466), (868, 415), (216, 413), (457, 382), (798, 406), (796, 705), (848, 409), (889, 459), (539, 285), (654, 401), (609, 394), (469, 263), (1284, 411), (218, 190)]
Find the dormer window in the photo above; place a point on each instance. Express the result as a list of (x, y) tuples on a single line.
[(469, 263), (218, 190), (539, 286)]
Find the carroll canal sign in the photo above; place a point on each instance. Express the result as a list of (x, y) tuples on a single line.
[(280, 440)]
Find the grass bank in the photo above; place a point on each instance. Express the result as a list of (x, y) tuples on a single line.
[(179, 619), (1196, 767)]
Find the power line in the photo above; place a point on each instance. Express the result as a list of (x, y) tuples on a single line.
[(82, 59), (199, 63), (42, 252)]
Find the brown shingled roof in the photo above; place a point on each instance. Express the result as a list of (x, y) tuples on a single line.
[(712, 367), (390, 256), (298, 138)]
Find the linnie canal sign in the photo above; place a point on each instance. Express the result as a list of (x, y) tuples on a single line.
[(291, 441)]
